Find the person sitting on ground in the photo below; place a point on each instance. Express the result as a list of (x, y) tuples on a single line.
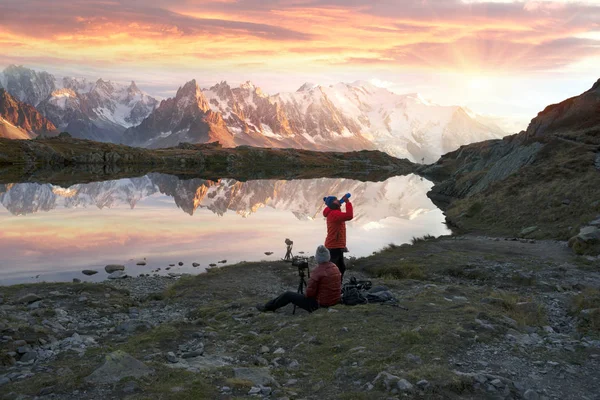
[(324, 287)]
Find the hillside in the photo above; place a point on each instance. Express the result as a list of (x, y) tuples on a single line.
[(546, 178)]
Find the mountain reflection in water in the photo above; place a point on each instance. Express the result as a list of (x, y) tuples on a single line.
[(56, 232)]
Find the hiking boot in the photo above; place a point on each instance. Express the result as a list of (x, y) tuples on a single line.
[(261, 307)]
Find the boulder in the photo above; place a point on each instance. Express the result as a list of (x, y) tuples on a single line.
[(404, 385), (89, 272), (195, 265), (29, 298), (118, 365), (114, 267), (587, 242)]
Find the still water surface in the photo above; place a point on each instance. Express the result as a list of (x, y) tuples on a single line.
[(51, 233)]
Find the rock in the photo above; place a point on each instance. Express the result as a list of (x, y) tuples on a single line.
[(294, 364), (133, 326), (388, 380), (530, 394), (141, 263), (212, 265), (195, 265), (414, 359), (268, 253), (587, 241), (114, 267), (258, 376), (279, 351), (528, 230), (497, 383), (29, 298), (222, 261), (4, 380), (404, 385), (131, 387), (46, 391), (76, 280), (253, 391), (29, 356), (171, 265), (180, 263), (89, 272), (266, 391), (172, 358), (595, 222), (493, 300), (118, 275), (34, 306), (566, 202), (118, 365), (264, 350)]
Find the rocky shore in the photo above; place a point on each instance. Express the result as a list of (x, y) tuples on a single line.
[(477, 317)]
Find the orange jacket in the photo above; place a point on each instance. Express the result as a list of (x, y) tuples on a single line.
[(325, 284), (336, 226)]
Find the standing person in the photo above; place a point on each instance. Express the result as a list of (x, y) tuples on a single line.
[(323, 290), (336, 228)]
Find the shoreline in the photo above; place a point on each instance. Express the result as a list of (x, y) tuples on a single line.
[(478, 316)]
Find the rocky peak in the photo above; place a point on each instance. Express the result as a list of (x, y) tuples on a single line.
[(308, 86), (595, 88), (104, 86), (191, 93), (23, 115)]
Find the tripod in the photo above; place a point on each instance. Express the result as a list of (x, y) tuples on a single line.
[(302, 284), (288, 255)]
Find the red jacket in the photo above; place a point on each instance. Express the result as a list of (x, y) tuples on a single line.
[(336, 226), (325, 284)]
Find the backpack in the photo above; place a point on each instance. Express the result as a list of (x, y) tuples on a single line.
[(351, 296), (353, 292)]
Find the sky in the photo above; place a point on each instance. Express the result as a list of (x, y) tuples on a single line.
[(502, 58)]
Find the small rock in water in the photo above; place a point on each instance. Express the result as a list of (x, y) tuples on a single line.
[(141, 263), (195, 265), (212, 265), (222, 261), (89, 272), (114, 267), (171, 265), (268, 253), (76, 280), (180, 263)]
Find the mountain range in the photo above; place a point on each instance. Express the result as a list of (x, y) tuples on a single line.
[(401, 196), (341, 117)]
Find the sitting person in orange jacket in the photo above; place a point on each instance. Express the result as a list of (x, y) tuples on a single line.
[(323, 290), (336, 228)]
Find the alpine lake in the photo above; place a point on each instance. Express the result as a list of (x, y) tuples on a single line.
[(160, 224)]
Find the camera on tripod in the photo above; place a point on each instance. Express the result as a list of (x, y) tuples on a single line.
[(300, 262)]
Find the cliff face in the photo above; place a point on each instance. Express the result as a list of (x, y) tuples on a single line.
[(547, 176), (23, 116)]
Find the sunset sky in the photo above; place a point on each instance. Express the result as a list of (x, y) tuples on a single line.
[(504, 58)]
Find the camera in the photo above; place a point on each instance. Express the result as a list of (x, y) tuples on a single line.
[(300, 262)]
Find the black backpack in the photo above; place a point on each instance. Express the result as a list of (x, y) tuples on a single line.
[(353, 292)]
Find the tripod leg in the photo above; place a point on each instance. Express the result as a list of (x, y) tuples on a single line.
[(300, 290)]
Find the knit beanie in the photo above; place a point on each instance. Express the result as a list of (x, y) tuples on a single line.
[(329, 200), (322, 254)]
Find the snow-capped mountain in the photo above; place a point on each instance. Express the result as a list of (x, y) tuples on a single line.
[(19, 120), (400, 197), (187, 117), (347, 117), (341, 117), (99, 110)]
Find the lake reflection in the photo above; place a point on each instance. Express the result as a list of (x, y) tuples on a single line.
[(53, 232)]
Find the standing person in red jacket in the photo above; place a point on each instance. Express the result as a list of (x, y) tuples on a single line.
[(336, 228), (323, 290)]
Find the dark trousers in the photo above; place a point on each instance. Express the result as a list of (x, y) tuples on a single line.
[(337, 257), (307, 303)]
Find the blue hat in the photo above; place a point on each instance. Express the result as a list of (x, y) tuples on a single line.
[(329, 200)]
